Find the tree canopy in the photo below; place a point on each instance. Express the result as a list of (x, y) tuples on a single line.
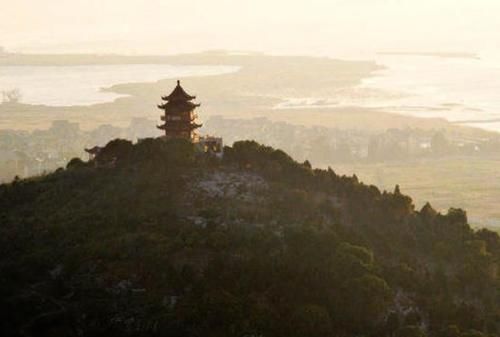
[(156, 239)]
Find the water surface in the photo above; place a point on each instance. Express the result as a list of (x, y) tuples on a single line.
[(82, 85)]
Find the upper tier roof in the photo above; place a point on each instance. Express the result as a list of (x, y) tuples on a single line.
[(178, 106), (178, 94)]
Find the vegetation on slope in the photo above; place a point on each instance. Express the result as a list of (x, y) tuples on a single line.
[(156, 239)]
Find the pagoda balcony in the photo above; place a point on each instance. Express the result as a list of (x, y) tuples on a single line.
[(179, 127), (174, 118)]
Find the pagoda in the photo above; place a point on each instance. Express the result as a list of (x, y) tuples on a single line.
[(179, 116)]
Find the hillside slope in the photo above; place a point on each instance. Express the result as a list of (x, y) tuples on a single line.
[(154, 239)]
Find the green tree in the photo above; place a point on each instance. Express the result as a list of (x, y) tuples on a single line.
[(310, 320)]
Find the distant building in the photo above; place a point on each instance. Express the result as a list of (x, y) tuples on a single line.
[(179, 116), (64, 128), (211, 145), (93, 152), (180, 121)]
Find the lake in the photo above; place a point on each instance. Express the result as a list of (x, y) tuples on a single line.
[(461, 90), (82, 85)]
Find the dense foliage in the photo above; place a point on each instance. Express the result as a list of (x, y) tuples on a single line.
[(131, 244)]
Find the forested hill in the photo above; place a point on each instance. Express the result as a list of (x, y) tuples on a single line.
[(154, 239)]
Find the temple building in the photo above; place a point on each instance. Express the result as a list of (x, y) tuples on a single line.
[(93, 152), (180, 121), (179, 117)]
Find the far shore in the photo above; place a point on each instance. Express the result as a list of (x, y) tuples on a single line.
[(262, 83), (435, 54)]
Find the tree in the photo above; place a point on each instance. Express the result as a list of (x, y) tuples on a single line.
[(368, 298), (472, 333), (75, 163), (310, 320), (116, 150), (439, 143), (428, 213), (450, 331), (410, 331), (11, 96)]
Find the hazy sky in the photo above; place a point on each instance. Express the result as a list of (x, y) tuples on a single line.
[(281, 26)]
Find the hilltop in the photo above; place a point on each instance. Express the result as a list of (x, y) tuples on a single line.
[(278, 88), (155, 239)]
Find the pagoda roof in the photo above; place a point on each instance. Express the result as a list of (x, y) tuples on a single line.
[(178, 94), (179, 127), (94, 150), (179, 105)]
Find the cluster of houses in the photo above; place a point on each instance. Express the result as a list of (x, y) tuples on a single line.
[(24, 153)]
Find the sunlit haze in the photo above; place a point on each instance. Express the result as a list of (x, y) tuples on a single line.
[(250, 168), (318, 27)]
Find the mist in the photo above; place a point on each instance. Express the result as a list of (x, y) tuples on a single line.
[(316, 27), (255, 168)]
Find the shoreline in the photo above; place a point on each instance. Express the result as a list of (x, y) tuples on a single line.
[(262, 83)]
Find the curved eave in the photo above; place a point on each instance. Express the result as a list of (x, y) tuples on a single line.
[(173, 98), (190, 127), (188, 105)]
